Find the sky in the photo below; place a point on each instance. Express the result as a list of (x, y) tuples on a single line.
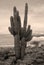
[(35, 14)]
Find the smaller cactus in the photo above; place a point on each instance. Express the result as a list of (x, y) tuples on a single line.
[(25, 17)]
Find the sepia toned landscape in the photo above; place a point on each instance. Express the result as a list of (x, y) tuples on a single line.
[(22, 32)]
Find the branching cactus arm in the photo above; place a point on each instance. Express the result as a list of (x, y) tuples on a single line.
[(29, 36), (23, 30), (25, 17), (28, 31), (17, 21), (11, 29), (11, 22)]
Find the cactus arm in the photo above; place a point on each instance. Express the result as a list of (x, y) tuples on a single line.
[(29, 36), (11, 31), (22, 33), (28, 31), (25, 17), (19, 22), (11, 22), (23, 30)]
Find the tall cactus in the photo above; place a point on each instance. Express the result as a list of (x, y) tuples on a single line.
[(21, 35)]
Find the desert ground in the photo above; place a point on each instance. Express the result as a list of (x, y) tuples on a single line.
[(34, 55)]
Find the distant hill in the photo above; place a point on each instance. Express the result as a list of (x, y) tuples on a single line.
[(38, 35)]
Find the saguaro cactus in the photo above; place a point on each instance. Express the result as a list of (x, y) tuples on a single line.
[(21, 35)]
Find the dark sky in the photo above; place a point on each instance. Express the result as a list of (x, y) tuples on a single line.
[(35, 14)]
